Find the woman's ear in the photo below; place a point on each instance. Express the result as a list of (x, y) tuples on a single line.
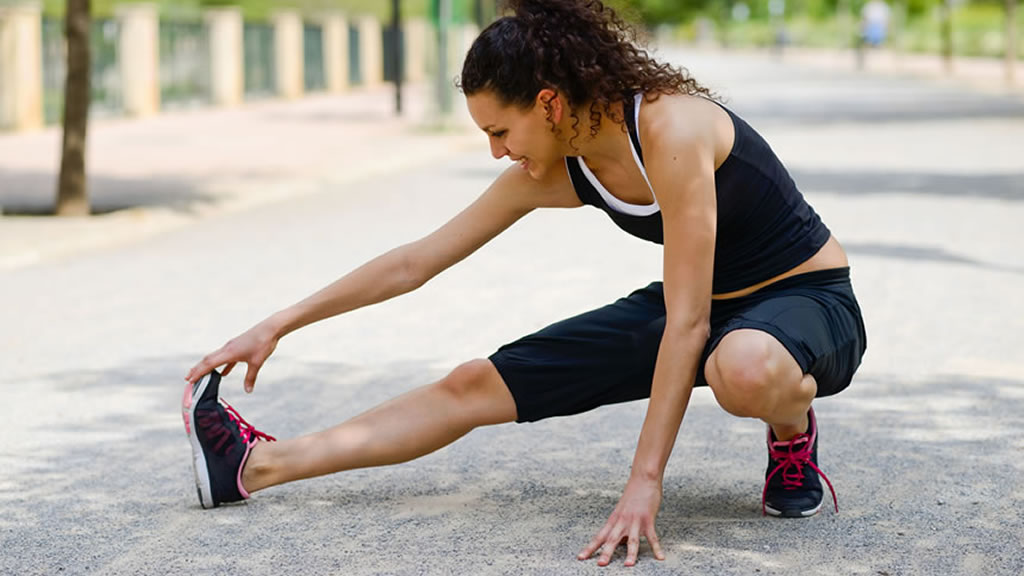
[(551, 103)]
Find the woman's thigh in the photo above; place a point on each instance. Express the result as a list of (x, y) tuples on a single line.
[(604, 356), (817, 320), (607, 355)]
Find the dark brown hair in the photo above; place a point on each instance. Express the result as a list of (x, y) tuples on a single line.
[(580, 47)]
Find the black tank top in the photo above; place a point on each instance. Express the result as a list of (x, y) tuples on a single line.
[(765, 227)]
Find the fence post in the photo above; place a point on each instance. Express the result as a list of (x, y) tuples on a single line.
[(21, 66), (462, 38), (288, 57), (139, 55), (227, 68), (371, 51), (335, 28), (417, 45)]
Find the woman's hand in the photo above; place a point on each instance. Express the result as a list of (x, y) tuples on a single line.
[(632, 518), (252, 347)]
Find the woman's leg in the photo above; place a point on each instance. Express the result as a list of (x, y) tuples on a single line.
[(406, 427), (753, 375)]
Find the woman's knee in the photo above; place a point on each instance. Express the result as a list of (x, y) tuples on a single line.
[(749, 371), (479, 389), (471, 380)]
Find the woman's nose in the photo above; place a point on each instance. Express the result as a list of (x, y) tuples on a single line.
[(498, 150)]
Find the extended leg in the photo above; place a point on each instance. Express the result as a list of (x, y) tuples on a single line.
[(404, 428)]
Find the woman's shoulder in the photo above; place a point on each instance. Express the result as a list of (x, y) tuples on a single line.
[(684, 120)]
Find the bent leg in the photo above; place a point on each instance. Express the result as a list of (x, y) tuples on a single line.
[(753, 375), (401, 429)]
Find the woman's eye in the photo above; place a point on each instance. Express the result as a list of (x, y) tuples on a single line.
[(498, 134)]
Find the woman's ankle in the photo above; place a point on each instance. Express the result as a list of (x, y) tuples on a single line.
[(256, 473)]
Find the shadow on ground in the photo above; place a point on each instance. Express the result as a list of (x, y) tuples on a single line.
[(35, 194), (1006, 187), (923, 253), (827, 99), (927, 472)]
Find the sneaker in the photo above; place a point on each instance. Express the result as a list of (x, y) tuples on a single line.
[(791, 486), (221, 441)]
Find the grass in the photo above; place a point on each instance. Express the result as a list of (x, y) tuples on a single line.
[(978, 30)]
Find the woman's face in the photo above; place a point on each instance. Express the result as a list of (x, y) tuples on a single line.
[(524, 135)]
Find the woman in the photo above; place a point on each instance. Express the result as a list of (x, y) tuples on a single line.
[(755, 302)]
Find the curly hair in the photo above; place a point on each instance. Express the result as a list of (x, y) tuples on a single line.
[(579, 47)]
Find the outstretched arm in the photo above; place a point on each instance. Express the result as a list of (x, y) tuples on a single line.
[(510, 197)]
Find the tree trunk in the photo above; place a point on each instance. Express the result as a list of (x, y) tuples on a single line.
[(1011, 41), (947, 35), (72, 193)]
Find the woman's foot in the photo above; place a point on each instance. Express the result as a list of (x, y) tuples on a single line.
[(792, 488), (221, 441)]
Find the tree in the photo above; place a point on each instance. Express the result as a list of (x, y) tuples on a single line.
[(1011, 40), (72, 192)]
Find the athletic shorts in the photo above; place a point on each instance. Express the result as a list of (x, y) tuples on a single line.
[(607, 355)]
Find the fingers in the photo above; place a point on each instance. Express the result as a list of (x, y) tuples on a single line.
[(227, 369), (633, 544), (594, 544), (608, 540), (205, 365), (615, 538), (652, 539), (250, 377)]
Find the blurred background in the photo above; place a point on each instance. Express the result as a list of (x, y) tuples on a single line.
[(328, 45)]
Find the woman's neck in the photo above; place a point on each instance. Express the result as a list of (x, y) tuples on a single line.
[(609, 147)]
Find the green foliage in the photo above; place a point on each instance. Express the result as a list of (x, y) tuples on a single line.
[(979, 26), (254, 9)]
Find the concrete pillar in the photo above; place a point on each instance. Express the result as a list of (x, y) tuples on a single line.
[(419, 42), (21, 66), (227, 68), (335, 27), (288, 57), (460, 39), (139, 54), (371, 51)]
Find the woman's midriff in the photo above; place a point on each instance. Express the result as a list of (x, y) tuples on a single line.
[(831, 255)]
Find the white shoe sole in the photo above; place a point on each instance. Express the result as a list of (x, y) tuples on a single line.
[(188, 414), (778, 513)]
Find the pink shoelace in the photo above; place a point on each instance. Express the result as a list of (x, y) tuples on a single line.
[(792, 460), (248, 431)]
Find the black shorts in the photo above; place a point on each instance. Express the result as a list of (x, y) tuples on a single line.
[(607, 355)]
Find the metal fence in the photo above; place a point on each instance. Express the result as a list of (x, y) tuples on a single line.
[(260, 70), (184, 62), (313, 57), (105, 77)]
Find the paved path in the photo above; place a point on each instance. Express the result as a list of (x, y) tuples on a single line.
[(152, 175), (922, 182)]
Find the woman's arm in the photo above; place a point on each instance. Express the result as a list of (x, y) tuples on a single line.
[(512, 195), (685, 183), (680, 160), (404, 269)]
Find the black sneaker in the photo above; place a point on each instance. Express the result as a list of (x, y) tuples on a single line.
[(791, 486), (221, 441)]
